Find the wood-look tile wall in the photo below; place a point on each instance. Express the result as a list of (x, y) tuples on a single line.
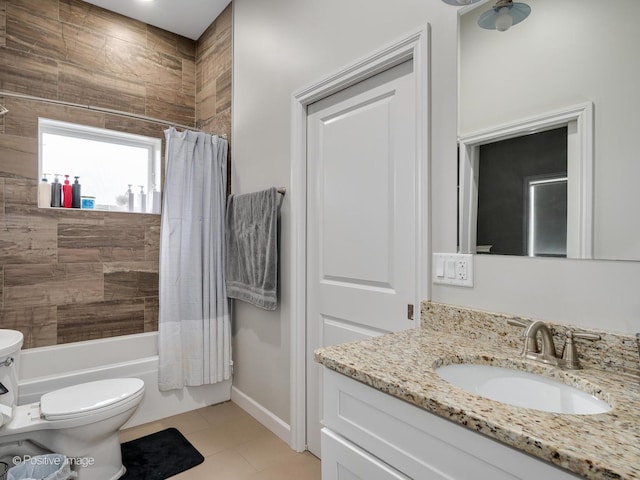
[(68, 276), (213, 79)]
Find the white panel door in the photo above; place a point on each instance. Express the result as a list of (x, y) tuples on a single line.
[(361, 239)]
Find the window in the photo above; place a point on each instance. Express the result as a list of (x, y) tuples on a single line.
[(546, 216), (110, 164)]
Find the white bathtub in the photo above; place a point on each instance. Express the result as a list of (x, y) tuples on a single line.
[(44, 369)]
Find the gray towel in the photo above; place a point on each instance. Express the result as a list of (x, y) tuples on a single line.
[(252, 251)]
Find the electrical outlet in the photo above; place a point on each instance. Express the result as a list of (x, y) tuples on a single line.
[(453, 269), (461, 269)]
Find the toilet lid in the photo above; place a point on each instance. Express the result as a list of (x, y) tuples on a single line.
[(87, 398)]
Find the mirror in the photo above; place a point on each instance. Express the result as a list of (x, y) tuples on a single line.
[(569, 65)]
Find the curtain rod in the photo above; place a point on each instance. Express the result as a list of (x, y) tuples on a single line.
[(99, 109)]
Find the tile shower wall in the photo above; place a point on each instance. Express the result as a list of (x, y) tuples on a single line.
[(213, 76), (67, 276), (213, 79)]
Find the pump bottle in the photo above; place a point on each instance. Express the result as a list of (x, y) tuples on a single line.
[(56, 192), (143, 200), (155, 201), (66, 193), (44, 192), (130, 198), (75, 194)]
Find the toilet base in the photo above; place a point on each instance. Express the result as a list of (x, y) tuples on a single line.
[(93, 460)]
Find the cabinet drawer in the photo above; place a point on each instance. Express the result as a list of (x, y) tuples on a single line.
[(418, 443), (342, 460)]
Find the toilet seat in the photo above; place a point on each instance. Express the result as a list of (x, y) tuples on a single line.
[(89, 398)]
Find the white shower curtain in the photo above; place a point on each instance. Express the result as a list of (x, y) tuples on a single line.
[(194, 326)]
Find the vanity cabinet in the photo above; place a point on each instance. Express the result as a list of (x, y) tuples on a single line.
[(343, 460), (371, 435)]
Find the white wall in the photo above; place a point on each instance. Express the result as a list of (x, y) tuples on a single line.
[(281, 46), (566, 53)]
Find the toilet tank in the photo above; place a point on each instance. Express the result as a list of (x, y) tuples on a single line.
[(10, 345)]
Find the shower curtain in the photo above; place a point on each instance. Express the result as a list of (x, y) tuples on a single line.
[(194, 325)]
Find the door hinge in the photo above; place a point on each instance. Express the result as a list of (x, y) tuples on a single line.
[(410, 312)]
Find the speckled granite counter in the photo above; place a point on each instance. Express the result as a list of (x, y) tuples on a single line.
[(603, 446)]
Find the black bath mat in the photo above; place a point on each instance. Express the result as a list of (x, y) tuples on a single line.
[(159, 456)]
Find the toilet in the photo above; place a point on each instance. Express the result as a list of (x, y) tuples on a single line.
[(81, 421)]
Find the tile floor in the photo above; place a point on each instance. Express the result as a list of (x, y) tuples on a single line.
[(235, 446)]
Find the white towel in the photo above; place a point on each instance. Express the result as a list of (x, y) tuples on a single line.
[(252, 250)]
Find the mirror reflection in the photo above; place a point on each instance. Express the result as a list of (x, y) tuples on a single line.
[(531, 170), (568, 67)]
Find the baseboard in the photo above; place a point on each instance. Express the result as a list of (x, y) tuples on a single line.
[(267, 418)]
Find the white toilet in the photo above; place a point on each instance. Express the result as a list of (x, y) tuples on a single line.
[(81, 421)]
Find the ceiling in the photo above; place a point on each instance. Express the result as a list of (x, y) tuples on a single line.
[(189, 18)]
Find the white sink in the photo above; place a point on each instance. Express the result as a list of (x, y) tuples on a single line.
[(522, 389)]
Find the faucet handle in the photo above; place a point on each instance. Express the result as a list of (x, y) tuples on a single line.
[(516, 322), (570, 352), (586, 336)]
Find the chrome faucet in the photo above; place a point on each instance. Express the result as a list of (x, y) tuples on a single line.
[(547, 354)]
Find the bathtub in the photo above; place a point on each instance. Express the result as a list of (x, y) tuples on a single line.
[(44, 369)]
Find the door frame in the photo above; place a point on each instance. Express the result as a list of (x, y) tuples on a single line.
[(413, 46), (580, 167)]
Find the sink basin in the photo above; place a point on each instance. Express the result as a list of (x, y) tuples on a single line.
[(522, 389)]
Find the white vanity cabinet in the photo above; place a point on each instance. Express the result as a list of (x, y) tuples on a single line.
[(371, 435)]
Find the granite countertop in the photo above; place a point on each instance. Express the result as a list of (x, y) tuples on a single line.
[(602, 446)]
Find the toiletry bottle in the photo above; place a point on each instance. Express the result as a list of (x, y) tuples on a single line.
[(44, 193), (143, 200), (130, 197), (155, 201), (56, 192), (75, 194), (66, 193)]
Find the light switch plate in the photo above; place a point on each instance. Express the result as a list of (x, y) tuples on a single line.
[(453, 269)]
